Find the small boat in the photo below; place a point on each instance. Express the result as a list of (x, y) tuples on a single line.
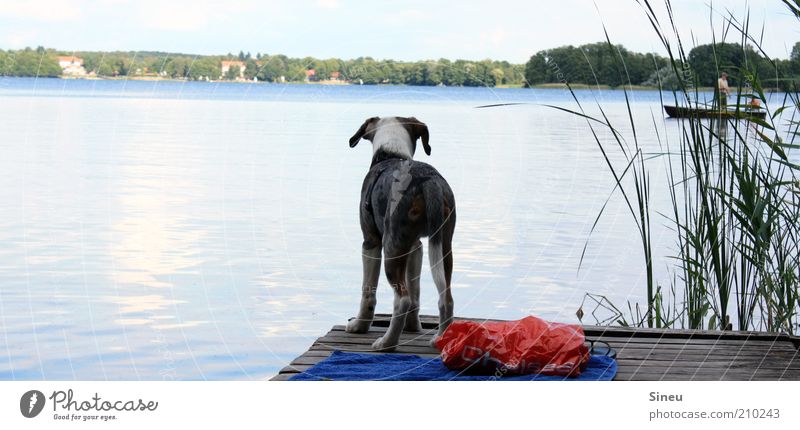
[(698, 112)]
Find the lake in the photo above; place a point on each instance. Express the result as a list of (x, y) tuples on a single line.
[(178, 230)]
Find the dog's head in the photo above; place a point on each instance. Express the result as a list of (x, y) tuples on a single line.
[(394, 135)]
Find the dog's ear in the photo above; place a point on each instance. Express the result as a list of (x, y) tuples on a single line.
[(366, 131), (418, 130)]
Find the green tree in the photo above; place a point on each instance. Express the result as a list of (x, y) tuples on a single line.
[(233, 73), (594, 63), (709, 61), (272, 68), (204, 68), (497, 75), (454, 74), (5, 64), (178, 67), (35, 63), (250, 69), (121, 64), (394, 72)]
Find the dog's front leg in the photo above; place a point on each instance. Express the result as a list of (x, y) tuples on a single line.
[(395, 264), (371, 259)]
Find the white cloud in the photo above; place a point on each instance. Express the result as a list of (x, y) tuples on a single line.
[(25, 38), (175, 16), (328, 4), (496, 36), (404, 17), (190, 15), (48, 11)]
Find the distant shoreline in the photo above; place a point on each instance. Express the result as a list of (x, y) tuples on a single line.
[(551, 86), (548, 86)]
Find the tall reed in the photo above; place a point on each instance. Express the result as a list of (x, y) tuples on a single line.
[(734, 193)]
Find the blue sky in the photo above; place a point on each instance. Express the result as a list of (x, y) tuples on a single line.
[(408, 30)]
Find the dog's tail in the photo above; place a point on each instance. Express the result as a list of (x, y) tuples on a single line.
[(441, 223)]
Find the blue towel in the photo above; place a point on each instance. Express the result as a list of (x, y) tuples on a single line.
[(348, 366)]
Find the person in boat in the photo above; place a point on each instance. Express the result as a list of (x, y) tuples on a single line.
[(723, 90)]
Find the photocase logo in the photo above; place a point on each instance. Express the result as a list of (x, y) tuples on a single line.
[(31, 403)]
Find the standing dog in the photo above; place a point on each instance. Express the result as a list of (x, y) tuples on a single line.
[(403, 200)]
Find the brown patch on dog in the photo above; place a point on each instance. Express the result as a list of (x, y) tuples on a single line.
[(417, 209)]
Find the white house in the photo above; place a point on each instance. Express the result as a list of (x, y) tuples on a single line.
[(226, 65), (71, 65)]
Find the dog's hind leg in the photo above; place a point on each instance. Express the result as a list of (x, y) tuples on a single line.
[(413, 271), (371, 259), (447, 262), (441, 213), (395, 264), (441, 260)]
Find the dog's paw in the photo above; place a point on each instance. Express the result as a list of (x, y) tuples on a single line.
[(381, 344), (356, 325), (413, 325)]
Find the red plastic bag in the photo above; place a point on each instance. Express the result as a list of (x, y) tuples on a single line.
[(530, 345)]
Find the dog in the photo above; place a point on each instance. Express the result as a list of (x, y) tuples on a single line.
[(403, 200)]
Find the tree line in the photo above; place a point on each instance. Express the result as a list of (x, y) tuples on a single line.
[(592, 64), (270, 68), (605, 64)]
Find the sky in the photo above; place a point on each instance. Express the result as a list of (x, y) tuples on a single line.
[(409, 30)]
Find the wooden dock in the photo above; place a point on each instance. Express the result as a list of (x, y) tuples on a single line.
[(642, 354)]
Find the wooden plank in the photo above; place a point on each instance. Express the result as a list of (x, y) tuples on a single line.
[(308, 359), (677, 377), (339, 335), (790, 361), (704, 375), (311, 358), (706, 371), (401, 349), (282, 377), (635, 336), (295, 369), (431, 321), (783, 347), (637, 350), (745, 366)]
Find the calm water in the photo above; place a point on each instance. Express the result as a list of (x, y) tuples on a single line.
[(210, 231)]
